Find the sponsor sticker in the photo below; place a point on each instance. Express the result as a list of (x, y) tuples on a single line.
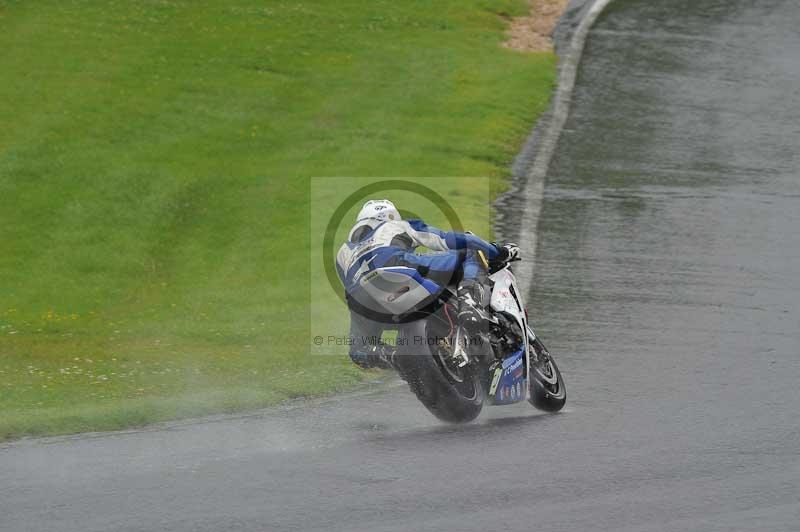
[(495, 381), (517, 364), (370, 276)]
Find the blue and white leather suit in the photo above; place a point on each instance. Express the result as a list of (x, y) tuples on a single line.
[(390, 245)]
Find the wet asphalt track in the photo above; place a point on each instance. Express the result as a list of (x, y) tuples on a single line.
[(667, 278)]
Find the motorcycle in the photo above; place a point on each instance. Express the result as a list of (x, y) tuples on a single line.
[(454, 373)]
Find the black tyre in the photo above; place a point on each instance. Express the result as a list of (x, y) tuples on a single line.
[(546, 385), (452, 394)]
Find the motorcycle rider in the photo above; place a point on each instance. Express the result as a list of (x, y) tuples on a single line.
[(380, 238)]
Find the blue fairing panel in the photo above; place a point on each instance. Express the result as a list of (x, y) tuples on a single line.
[(507, 381)]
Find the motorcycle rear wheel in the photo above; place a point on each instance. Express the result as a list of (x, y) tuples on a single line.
[(452, 394)]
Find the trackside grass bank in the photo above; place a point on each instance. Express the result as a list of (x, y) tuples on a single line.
[(155, 173)]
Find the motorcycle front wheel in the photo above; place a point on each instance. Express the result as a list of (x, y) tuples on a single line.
[(547, 389)]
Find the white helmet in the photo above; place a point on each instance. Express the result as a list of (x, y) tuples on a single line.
[(382, 210)]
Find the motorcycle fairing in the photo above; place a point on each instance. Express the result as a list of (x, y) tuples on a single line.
[(508, 384)]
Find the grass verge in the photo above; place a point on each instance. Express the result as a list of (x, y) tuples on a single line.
[(155, 166)]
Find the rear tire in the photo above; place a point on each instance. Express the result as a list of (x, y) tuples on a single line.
[(451, 397)]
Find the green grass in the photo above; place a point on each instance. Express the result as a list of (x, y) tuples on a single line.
[(155, 167)]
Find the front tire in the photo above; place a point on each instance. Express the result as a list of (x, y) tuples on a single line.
[(547, 389)]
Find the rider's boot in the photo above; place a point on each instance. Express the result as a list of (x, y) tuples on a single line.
[(373, 357), (471, 302)]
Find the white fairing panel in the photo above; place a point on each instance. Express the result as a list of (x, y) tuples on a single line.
[(502, 300), (390, 292)]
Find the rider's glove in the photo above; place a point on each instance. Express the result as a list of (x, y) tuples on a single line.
[(507, 252)]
